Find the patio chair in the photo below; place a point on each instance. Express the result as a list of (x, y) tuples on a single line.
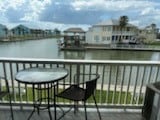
[(4, 91), (81, 92)]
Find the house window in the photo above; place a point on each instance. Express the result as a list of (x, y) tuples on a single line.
[(104, 38), (114, 28), (104, 28), (96, 38), (109, 28), (108, 38)]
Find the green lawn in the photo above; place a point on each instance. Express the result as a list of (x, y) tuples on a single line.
[(101, 96)]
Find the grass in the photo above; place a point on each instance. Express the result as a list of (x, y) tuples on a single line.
[(101, 97)]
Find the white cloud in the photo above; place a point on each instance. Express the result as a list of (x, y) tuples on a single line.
[(31, 8), (140, 12), (35, 7), (150, 11), (15, 4), (114, 5)]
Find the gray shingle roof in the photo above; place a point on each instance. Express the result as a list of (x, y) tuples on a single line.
[(78, 30)]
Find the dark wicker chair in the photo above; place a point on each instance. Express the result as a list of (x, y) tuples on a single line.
[(81, 92), (4, 91)]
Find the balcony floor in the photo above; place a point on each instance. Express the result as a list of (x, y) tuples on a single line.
[(23, 114)]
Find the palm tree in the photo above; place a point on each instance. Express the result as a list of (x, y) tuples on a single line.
[(153, 25), (123, 21)]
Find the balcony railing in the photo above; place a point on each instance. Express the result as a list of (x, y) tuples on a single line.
[(121, 83)]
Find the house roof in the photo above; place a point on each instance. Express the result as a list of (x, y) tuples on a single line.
[(20, 26), (111, 22), (77, 30)]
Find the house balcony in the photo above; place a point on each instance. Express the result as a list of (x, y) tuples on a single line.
[(120, 90)]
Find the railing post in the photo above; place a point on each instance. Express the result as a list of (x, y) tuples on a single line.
[(78, 74), (77, 81)]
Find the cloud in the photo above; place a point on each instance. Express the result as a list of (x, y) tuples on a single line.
[(34, 8), (26, 10), (65, 13), (110, 5), (141, 12)]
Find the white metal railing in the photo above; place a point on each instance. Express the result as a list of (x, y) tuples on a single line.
[(121, 83)]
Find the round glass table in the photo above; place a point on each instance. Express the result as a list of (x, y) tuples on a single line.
[(38, 77)]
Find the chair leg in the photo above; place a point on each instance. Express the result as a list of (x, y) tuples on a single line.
[(75, 107), (85, 110), (11, 109), (97, 107)]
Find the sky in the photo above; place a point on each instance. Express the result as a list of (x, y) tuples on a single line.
[(140, 12)]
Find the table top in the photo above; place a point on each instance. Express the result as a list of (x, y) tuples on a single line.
[(41, 75)]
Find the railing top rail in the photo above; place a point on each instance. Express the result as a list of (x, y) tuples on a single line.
[(77, 61)]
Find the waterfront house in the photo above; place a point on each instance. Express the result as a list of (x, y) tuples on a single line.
[(37, 32), (20, 30), (3, 31), (30, 31), (108, 32), (149, 33), (74, 37)]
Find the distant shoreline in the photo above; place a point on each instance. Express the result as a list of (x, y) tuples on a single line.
[(24, 38)]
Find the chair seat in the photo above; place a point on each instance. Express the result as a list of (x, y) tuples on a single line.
[(73, 93)]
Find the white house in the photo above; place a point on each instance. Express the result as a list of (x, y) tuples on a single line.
[(108, 32), (3, 31)]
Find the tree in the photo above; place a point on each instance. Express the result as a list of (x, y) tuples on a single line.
[(123, 21), (153, 26), (57, 32)]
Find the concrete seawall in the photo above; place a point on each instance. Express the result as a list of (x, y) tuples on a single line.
[(121, 48), (111, 48)]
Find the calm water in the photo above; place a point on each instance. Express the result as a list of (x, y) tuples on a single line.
[(47, 48)]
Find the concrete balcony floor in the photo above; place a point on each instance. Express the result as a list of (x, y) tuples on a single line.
[(92, 115)]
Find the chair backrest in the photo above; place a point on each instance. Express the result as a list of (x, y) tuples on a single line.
[(91, 86)]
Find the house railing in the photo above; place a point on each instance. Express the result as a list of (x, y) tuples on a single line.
[(121, 83)]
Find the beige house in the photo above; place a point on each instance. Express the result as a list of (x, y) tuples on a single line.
[(108, 32), (148, 34)]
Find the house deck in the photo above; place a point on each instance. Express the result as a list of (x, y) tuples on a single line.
[(23, 114)]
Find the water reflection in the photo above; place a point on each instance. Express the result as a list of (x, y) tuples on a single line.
[(121, 55), (74, 55)]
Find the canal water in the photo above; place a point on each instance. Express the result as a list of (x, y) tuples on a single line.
[(48, 48)]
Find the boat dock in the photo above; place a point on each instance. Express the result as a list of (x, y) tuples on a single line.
[(103, 47)]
